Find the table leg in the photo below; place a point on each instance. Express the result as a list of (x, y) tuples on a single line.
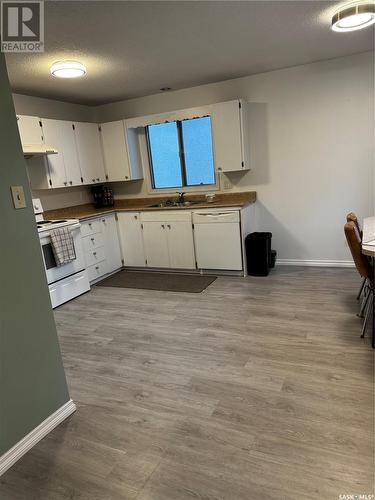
[(373, 305)]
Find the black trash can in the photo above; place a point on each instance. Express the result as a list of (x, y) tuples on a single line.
[(259, 256)]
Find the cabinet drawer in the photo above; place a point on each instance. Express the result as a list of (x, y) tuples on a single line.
[(166, 216), (97, 270), (92, 241), (94, 256), (90, 227)]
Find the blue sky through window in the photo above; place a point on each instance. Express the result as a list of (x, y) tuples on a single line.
[(168, 167), (198, 151), (165, 155)]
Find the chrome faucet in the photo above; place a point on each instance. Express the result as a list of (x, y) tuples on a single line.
[(180, 199)]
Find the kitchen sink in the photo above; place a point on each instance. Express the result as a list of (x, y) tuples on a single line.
[(174, 204)]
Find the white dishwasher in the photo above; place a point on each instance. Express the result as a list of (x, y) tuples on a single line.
[(218, 240)]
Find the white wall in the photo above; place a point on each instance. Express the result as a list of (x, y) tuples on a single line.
[(49, 108), (312, 141)]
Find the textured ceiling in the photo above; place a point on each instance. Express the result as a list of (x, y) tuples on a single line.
[(132, 49)]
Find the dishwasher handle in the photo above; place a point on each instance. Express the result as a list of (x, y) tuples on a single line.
[(212, 217)]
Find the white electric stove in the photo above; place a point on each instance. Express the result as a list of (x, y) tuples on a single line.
[(69, 280)]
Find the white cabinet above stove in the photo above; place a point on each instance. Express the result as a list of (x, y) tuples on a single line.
[(30, 129)]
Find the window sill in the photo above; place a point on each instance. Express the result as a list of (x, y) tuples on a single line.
[(185, 189)]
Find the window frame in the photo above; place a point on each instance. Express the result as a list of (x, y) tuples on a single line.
[(185, 186)]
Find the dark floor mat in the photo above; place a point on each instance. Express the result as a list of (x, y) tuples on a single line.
[(169, 282)]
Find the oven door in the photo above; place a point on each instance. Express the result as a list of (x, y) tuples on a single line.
[(55, 273)]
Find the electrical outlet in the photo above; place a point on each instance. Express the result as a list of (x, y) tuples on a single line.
[(18, 196)]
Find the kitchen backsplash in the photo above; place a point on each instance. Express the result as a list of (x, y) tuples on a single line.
[(62, 198)]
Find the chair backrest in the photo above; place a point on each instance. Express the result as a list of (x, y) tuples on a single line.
[(354, 241), (351, 217)]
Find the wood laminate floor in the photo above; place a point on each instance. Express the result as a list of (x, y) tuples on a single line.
[(258, 388)]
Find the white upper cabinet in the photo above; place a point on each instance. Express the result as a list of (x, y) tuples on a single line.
[(30, 130), (115, 151), (230, 136), (89, 152), (64, 167), (121, 152), (131, 239)]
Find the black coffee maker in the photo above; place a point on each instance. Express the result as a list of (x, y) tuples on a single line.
[(103, 196)]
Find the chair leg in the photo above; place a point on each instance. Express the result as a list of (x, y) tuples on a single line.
[(367, 315), (364, 302), (361, 288)]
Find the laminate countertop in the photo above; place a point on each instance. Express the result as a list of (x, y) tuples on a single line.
[(222, 200)]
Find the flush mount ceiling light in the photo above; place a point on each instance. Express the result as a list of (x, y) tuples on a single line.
[(68, 69), (354, 16)]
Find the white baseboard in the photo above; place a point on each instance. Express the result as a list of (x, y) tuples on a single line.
[(11, 456), (315, 263)]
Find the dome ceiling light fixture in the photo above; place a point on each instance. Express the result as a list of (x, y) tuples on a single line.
[(354, 16), (68, 69)]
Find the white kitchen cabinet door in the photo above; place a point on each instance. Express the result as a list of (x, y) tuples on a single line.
[(115, 151), (228, 136), (156, 244), (111, 243), (64, 166), (89, 152), (180, 245), (30, 130), (134, 153), (131, 239)]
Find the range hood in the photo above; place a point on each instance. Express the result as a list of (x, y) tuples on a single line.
[(30, 150)]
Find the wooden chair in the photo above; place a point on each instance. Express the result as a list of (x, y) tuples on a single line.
[(351, 217), (363, 266)]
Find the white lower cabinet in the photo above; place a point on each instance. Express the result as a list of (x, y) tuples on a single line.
[(168, 239), (180, 245), (97, 271), (156, 244), (111, 243), (101, 245), (162, 239), (131, 239)]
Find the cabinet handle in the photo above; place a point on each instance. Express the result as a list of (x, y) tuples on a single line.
[(65, 183), (136, 217), (92, 239), (126, 177), (94, 253), (168, 226), (220, 169), (90, 224), (103, 220), (93, 180), (96, 267), (97, 179), (163, 226), (70, 182)]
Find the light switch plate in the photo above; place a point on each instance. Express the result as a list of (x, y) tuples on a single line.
[(18, 196)]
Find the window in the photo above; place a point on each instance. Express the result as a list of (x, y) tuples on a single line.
[(180, 153)]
